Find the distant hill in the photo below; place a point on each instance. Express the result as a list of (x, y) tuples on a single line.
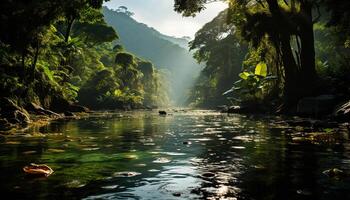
[(182, 42), (165, 52)]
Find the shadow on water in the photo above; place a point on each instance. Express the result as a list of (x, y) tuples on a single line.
[(187, 155)]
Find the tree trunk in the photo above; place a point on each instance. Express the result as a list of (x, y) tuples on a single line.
[(307, 54), (36, 55), (291, 94), (298, 81)]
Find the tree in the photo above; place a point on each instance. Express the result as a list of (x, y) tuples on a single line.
[(340, 17), (127, 71), (101, 85), (149, 82), (146, 68), (25, 23), (52, 52), (218, 46), (123, 9), (83, 10), (282, 23), (96, 33)]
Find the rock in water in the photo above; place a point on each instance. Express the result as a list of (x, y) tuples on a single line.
[(334, 173), (78, 108), (176, 194), (5, 125), (234, 109), (69, 114), (343, 112), (162, 112), (37, 109), (12, 112)]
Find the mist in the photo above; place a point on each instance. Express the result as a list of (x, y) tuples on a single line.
[(169, 54)]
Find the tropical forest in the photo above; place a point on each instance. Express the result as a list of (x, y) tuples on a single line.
[(175, 99)]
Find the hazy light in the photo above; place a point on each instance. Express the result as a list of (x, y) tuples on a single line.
[(160, 14)]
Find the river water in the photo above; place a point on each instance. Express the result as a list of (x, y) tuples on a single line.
[(186, 155)]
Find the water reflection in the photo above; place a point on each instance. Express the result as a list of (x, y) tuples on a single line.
[(188, 155)]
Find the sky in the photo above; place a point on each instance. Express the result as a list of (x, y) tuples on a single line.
[(160, 15)]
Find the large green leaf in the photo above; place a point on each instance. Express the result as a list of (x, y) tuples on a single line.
[(244, 75), (261, 69)]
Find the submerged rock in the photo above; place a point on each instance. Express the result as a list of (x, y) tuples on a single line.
[(334, 173), (162, 112), (176, 194)]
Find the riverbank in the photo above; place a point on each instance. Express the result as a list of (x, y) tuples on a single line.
[(302, 128), (325, 107), (20, 119), (14, 117), (36, 121)]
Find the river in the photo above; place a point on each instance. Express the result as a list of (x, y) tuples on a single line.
[(185, 155)]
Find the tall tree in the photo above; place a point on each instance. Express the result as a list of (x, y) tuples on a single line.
[(127, 70), (83, 10), (218, 46), (283, 23), (26, 22)]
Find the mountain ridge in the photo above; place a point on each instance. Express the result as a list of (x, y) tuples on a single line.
[(164, 51)]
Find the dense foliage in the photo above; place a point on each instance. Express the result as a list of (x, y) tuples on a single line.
[(272, 52), (216, 45), (54, 53), (294, 39)]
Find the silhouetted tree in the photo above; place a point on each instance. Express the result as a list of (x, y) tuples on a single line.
[(282, 22)]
